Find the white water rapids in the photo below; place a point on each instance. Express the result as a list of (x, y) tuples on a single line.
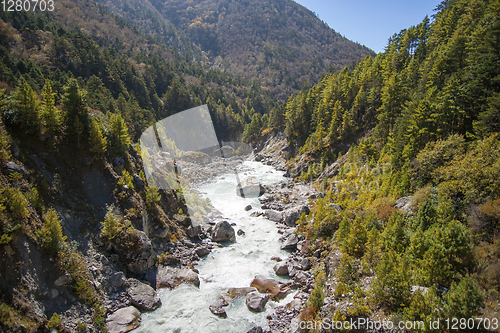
[(186, 308)]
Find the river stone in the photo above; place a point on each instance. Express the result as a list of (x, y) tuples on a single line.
[(232, 293), (265, 285), (247, 208), (202, 251), (194, 230), (218, 311), (142, 296), (274, 215), (281, 268), (171, 277), (249, 187), (256, 329), (240, 232), (255, 301), (123, 320), (289, 239), (223, 232)]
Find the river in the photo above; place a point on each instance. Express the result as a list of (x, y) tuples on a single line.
[(186, 308)]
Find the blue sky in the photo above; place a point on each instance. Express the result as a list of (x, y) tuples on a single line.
[(370, 23)]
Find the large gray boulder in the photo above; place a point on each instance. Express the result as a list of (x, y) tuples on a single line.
[(142, 296), (223, 232), (256, 301), (281, 268), (274, 215), (171, 277), (291, 215), (123, 320), (249, 187), (289, 240)]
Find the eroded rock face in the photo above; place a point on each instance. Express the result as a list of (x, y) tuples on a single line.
[(123, 320), (223, 232), (256, 301), (249, 187), (135, 251), (171, 277), (142, 296)]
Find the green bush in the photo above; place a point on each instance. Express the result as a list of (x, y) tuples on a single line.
[(111, 226), (51, 235), (152, 196)]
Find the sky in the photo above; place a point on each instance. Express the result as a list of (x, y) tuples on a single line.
[(370, 23)]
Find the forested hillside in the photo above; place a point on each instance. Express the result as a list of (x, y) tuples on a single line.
[(279, 44), (121, 70), (419, 123)]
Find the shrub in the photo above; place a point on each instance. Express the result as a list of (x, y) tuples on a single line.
[(111, 226), (464, 300), (51, 235), (54, 322), (152, 196)]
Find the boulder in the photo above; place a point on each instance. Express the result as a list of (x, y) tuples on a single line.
[(142, 296), (218, 311), (247, 208), (337, 207), (274, 215), (117, 279), (291, 215), (223, 232), (305, 264), (281, 268), (266, 285), (118, 164), (256, 329), (197, 157), (194, 230), (138, 183), (240, 232), (12, 167), (123, 320), (135, 251), (171, 277), (277, 259), (249, 187), (289, 239), (255, 301), (405, 204), (62, 280), (232, 293), (202, 251)]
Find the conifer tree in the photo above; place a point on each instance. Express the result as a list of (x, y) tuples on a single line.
[(50, 114), (98, 143), (119, 132), (28, 106), (77, 119)]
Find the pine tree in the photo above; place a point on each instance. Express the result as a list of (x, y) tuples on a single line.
[(28, 106), (119, 132), (77, 118), (97, 141), (50, 114)]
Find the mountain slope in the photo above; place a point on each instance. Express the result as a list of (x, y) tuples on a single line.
[(278, 43)]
